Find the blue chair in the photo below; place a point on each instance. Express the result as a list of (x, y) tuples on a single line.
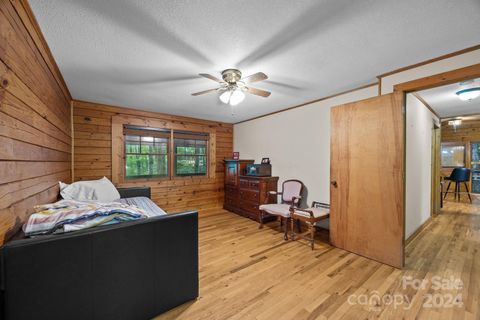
[(458, 176)]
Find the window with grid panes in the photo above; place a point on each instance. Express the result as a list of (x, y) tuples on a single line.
[(149, 151), (146, 154), (190, 154)]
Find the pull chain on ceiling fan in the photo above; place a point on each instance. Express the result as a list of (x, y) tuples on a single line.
[(233, 86)]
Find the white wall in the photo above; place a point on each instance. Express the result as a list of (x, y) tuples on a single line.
[(419, 125), (297, 142)]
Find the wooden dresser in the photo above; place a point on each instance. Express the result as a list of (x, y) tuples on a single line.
[(244, 194)]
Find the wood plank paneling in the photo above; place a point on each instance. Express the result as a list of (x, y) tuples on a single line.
[(25, 59), (468, 131), (35, 123), (20, 170), (93, 155)]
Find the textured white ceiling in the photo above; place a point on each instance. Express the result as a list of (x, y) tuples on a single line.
[(146, 54), (446, 103)]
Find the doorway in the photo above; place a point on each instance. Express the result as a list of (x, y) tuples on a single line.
[(354, 226), (452, 124), (436, 196)]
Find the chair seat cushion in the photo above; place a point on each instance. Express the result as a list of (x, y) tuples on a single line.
[(277, 209), (317, 212)]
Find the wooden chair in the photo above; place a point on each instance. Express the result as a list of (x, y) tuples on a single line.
[(291, 197), (317, 212)]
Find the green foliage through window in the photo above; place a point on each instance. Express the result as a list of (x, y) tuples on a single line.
[(190, 157), (146, 157), (147, 154)]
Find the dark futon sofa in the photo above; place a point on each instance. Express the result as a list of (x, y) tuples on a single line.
[(132, 270)]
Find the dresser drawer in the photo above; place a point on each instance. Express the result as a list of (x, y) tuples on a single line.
[(244, 183), (251, 207), (253, 215), (249, 195), (246, 196), (231, 201), (230, 191), (253, 184)]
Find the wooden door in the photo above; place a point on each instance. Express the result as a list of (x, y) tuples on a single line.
[(367, 178)]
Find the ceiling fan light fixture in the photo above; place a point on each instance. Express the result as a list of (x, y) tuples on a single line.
[(468, 94), (236, 97), (233, 87), (225, 97)]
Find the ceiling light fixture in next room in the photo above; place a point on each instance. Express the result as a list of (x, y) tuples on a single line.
[(469, 93)]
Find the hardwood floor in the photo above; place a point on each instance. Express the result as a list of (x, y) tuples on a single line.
[(248, 273)]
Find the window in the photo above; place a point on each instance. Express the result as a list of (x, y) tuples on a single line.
[(148, 153), (190, 155), (453, 155)]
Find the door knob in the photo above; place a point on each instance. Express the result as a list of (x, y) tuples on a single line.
[(334, 183)]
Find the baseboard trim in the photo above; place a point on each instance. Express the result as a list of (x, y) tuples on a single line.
[(418, 231)]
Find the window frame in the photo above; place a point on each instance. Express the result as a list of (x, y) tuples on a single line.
[(118, 147), (180, 135), (453, 144), (140, 153)]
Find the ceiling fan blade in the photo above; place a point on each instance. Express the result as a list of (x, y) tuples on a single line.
[(259, 76), (258, 92), (209, 76), (203, 92)]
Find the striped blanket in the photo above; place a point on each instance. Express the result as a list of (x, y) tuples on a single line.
[(151, 209), (70, 215)]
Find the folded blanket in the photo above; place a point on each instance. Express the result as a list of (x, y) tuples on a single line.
[(70, 215)]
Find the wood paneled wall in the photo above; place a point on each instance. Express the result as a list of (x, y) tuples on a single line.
[(468, 131), (35, 119), (93, 156)]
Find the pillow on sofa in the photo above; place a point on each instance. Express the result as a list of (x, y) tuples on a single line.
[(101, 190)]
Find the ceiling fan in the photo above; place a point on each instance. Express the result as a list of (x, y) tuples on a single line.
[(233, 86)]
